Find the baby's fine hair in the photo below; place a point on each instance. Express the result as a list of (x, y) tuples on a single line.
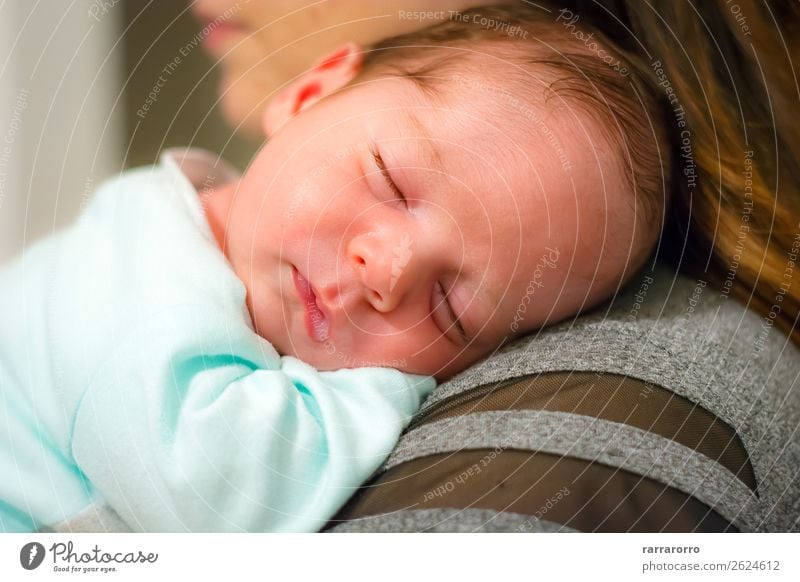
[(584, 70)]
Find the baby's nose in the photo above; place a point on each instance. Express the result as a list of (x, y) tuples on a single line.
[(387, 266)]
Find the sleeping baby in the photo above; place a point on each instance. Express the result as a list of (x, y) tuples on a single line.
[(204, 351)]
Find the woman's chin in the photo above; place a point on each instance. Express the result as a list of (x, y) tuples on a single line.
[(242, 105)]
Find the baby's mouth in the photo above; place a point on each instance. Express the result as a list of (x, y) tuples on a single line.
[(317, 324)]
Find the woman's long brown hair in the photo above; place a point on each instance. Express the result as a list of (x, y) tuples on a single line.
[(735, 210)]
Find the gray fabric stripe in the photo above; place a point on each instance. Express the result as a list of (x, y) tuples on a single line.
[(445, 519), (97, 518), (591, 439)]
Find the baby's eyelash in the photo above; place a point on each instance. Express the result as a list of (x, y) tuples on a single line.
[(453, 317), (376, 155), (456, 319)]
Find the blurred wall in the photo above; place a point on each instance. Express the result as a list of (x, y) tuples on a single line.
[(164, 59), (72, 77), (60, 113)]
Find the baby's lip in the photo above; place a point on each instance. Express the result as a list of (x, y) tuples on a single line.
[(316, 318)]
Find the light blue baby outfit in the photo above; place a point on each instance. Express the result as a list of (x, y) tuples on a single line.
[(130, 375)]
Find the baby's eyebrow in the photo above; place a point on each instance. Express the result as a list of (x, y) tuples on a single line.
[(421, 132)]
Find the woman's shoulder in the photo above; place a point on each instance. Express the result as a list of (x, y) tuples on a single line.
[(671, 384)]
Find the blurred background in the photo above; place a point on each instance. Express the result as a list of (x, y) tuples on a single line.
[(75, 79)]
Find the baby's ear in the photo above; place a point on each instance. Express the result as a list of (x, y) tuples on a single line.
[(327, 76)]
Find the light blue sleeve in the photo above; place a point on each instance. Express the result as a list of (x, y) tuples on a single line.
[(179, 415), (201, 440)]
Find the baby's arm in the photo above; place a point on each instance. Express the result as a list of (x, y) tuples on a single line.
[(206, 442)]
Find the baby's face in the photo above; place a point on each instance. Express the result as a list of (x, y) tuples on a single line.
[(386, 227)]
